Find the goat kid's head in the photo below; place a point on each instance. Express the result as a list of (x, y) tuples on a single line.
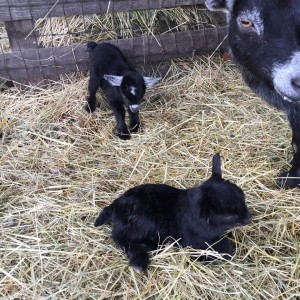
[(264, 38), (223, 202), (133, 87)]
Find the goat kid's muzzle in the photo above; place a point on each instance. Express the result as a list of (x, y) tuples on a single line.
[(134, 108)]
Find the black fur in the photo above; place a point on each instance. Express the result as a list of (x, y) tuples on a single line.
[(107, 59), (150, 214), (259, 48)]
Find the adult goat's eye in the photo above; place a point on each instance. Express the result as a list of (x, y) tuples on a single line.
[(246, 23)]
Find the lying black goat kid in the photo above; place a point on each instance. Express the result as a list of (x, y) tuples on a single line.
[(149, 214)]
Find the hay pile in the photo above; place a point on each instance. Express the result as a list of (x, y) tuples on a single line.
[(64, 31), (59, 166)]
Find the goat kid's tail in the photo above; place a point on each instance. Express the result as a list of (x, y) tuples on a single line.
[(105, 214), (91, 46)]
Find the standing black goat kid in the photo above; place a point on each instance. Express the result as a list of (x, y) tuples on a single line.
[(121, 83), (149, 214)]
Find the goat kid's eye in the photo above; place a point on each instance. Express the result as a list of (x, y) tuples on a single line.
[(246, 23)]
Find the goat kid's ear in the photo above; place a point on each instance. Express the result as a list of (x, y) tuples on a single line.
[(113, 80), (216, 166), (151, 81), (220, 5)]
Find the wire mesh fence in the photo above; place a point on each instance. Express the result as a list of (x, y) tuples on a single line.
[(43, 39)]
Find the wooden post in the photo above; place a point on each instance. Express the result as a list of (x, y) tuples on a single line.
[(17, 32), (22, 38)]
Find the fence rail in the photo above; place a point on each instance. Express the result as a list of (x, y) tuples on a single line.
[(13, 10)]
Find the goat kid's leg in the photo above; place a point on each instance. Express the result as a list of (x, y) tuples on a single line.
[(119, 113), (134, 121), (138, 257), (120, 239), (92, 89), (291, 178), (223, 246), (137, 254)]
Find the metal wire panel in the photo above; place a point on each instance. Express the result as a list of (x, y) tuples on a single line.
[(29, 61)]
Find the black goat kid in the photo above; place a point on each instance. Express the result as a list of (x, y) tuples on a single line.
[(149, 214), (121, 83)]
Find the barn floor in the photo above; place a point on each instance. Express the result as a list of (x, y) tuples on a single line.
[(59, 166)]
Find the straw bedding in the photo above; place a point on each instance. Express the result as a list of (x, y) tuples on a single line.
[(59, 166)]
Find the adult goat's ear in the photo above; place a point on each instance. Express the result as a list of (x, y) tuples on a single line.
[(220, 5), (113, 80), (216, 166), (151, 81)]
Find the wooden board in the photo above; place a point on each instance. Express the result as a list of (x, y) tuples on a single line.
[(17, 32)]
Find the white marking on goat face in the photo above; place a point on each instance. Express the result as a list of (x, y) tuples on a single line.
[(286, 78), (217, 5), (254, 16), (223, 6), (134, 108), (132, 90)]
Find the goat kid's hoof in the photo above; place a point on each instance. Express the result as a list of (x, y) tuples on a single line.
[(90, 109), (139, 270), (136, 128), (139, 267), (289, 180), (122, 134)]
